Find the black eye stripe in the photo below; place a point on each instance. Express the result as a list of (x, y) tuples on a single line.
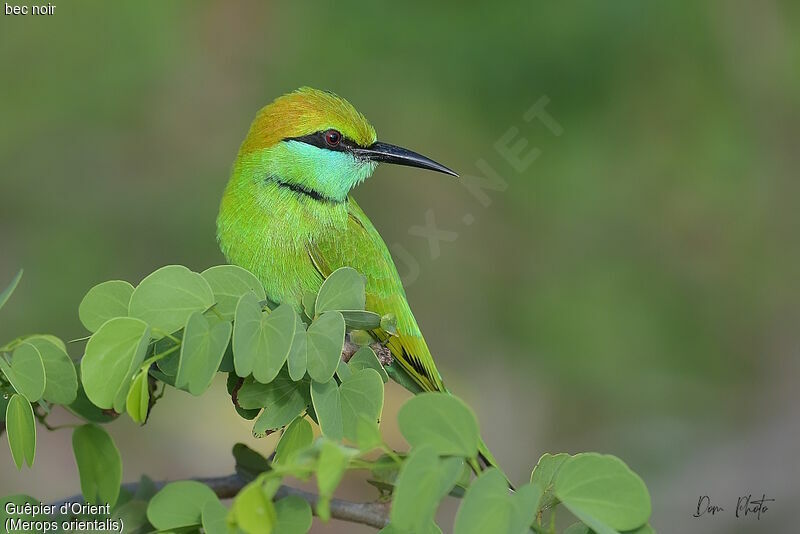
[(317, 139)]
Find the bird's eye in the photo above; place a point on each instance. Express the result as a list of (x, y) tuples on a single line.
[(333, 137)]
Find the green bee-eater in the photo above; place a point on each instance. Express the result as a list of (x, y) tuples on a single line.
[(288, 217)]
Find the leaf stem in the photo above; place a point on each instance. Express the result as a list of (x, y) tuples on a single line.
[(156, 357)]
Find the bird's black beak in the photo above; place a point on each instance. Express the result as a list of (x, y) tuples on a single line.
[(386, 153)]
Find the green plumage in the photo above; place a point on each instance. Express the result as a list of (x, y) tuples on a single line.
[(287, 215)]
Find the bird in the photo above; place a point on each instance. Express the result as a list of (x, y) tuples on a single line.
[(287, 216)]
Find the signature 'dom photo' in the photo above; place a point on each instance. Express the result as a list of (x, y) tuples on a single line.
[(411, 268)]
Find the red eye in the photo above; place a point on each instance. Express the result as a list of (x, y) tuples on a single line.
[(332, 137)]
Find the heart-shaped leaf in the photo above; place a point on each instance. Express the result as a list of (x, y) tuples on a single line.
[(201, 353), (282, 399), (113, 354), (489, 506), (297, 360), (261, 339), (297, 436), (61, 383), (441, 421), (26, 372), (603, 492), (229, 283), (179, 504), (423, 481), (166, 298), (365, 358), (103, 302), (344, 289), (544, 475), (338, 408), (324, 342), (360, 319)]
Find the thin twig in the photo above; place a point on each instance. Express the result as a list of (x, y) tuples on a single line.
[(373, 514)]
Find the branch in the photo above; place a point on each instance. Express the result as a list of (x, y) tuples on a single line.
[(373, 514)]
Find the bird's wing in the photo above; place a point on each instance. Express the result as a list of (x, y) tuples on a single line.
[(361, 247)]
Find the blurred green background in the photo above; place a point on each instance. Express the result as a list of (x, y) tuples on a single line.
[(634, 290)]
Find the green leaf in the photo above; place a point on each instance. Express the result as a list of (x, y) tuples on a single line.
[(113, 354), (26, 372), (297, 436), (328, 406), (338, 408), (83, 408), (365, 358), (232, 383), (168, 364), (344, 289), (6, 294), (103, 302), (99, 464), (254, 510), (389, 324), (133, 515), (298, 355), (360, 337), (282, 400), (423, 481), (179, 504), (442, 421), (21, 430), (229, 283), (332, 464), (138, 401), (343, 370), (324, 342), (274, 395), (214, 517), (309, 300), (603, 492), (360, 319), (249, 463), (368, 434), (201, 353), (166, 298), (361, 396), (488, 506), (261, 340), (544, 475), (61, 384), (294, 516)]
